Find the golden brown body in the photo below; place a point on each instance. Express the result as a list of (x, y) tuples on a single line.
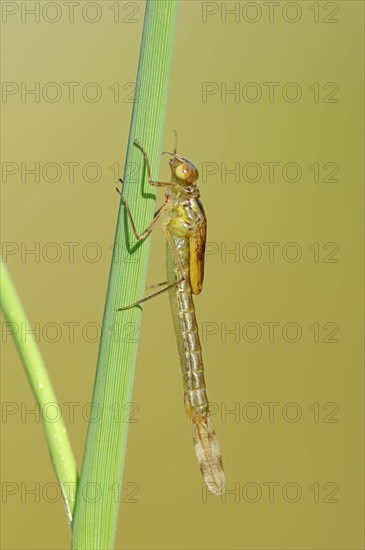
[(184, 224)]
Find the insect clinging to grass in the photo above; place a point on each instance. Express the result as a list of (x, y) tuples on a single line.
[(184, 224)]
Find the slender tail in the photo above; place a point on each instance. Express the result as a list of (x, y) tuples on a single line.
[(208, 453)]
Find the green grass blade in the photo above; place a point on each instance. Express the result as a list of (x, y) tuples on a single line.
[(97, 507), (57, 439)]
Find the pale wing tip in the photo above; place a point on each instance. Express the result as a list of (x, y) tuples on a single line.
[(215, 479), (209, 457), (217, 488)]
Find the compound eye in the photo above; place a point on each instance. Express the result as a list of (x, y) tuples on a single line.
[(183, 171)]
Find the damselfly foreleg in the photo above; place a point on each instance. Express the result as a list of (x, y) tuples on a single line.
[(151, 181)]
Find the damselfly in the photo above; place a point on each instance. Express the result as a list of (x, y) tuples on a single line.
[(184, 224)]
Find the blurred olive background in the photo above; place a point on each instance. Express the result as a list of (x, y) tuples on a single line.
[(280, 316)]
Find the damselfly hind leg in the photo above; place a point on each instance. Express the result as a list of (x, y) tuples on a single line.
[(159, 292), (155, 285), (150, 297)]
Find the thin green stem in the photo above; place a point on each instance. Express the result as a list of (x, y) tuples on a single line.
[(57, 439), (97, 500)]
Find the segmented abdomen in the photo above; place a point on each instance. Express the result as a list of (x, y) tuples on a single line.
[(191, 362)]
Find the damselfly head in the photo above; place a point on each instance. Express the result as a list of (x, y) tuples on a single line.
[(183, 171)]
